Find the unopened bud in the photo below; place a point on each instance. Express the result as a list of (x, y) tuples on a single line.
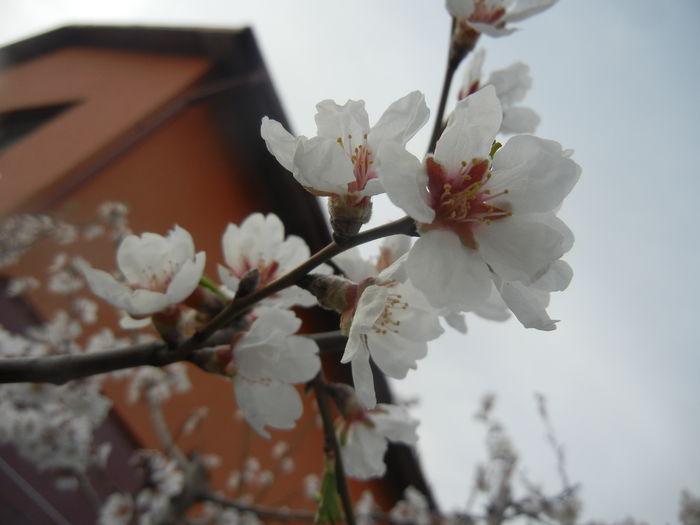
[(333, 292), (217, 360), (348, 214)]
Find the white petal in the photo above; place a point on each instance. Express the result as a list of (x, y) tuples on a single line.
[(472, 73), (400, 121), (470, 130), (363, 452), (362, 377), (395, 424), (186, 279), (298, 362), (267, 403), (460, 8), (142, 258), (405, 181), (518, 119), (492, 30), (528, 304), (449, 274), (520, 248), (279, 142), (348, 122), (512, 83), (354, 266), (228, 280), (456, 321), (323, 165), (527, 8), (371, 304), (556, 278), (395, 355), (535, 172)]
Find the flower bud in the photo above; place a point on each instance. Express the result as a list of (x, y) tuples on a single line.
[(333, 292), (348, 214)]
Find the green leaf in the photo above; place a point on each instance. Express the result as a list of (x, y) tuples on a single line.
[(328, 501)]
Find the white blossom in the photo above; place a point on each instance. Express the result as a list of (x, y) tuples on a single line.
[(342, 158), (412, 509), (481, 219), (365, 434), (265, 362), (392, 323), (492, 16), (116, 510), (259, 243), (159, 272), (511, 85)]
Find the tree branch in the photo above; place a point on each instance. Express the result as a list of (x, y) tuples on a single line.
[(63, 368)]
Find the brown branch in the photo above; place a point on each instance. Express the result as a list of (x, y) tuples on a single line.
[(405, 226), (261, 512), (63, 368)]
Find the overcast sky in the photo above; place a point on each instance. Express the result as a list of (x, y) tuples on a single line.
[(615, 81)]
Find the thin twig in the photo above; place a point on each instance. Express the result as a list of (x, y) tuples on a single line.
[(405, 225), (163, 432), (261, 512), (331, 443)]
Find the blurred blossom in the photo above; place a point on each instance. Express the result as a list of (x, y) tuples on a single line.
[(159, 272)]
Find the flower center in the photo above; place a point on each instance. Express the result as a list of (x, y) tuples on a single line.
[(486, 13), (385, 322), (361, 157), (460, 199)]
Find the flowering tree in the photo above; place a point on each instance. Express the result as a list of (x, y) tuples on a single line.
[(487, 241)]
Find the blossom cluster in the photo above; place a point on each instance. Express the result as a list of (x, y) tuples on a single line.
[(488, 241)]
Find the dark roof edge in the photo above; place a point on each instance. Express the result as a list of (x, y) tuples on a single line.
[(166, 40)]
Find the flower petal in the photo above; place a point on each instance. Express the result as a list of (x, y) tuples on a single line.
[(363, 452), (527, 303), (470, 130), (323, 165), (279, 142), (520, 248), (267, 403), (362, 377), (535, 172), (400, 122), (449, 274), (405, 181), (186, 279)]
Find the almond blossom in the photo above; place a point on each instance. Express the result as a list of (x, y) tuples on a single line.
[(259, 243), (264, 362), (341, 161), (391, 322), (482, 216), (364, 435), (159, 272), (492, 16), (511, 84)]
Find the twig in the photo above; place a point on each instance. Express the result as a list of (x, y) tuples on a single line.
[(405, 225), (331, 444), (261, 512), (163, 432), (60, 369)]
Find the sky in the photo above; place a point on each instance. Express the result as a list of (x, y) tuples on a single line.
[(616, 82)]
